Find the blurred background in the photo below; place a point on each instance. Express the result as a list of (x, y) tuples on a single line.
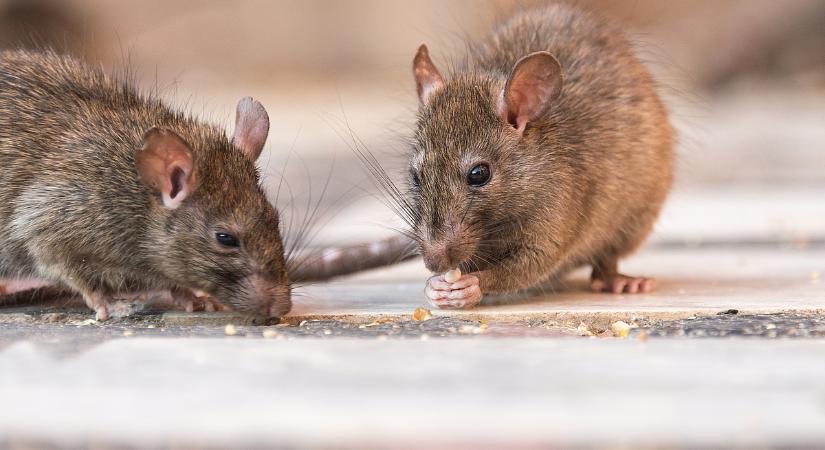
[(744, 80)]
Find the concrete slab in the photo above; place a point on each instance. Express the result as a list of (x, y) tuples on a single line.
[(690, 282), (403, 393)]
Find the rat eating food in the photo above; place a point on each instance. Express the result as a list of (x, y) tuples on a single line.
[(105, 190), (547, 148)]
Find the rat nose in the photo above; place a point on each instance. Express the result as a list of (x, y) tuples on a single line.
[(271, 297), (446, 251)]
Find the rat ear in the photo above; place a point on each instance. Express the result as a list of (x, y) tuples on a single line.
[(165, 165), (427, 78), (251, 127), (534, 84)]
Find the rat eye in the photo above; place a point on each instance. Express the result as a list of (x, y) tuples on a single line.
[(479, 175), (227, 240)]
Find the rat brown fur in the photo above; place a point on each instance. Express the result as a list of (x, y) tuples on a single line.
[(547, 149), (105, 190)]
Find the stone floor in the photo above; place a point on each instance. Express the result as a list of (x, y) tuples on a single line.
[(469, 392), (350, 368)]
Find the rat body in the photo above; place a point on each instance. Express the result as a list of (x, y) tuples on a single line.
[(547, 149), (107, 191)]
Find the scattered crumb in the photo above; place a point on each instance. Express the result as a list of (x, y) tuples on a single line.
[(303, 322), (801, 242), (620, 329), (230, 330), (128, 333), (643, 336), (377, 322), (269, 333), (150, 326), (422, 314), (584, 330)]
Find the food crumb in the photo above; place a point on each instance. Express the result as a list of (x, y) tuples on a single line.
[(584, 330), (422, 314), (620, 329), (230, 330), (643, 336), (128, 333), (451, 276), (269, 334)]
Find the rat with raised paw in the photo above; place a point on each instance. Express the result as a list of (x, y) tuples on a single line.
[(546, 149)]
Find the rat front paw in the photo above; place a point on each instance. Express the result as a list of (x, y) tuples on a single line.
[(99, 303), (191, 301), (618, 284), (463, 293)]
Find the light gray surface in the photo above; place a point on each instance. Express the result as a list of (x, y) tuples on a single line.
[(749, 278), (310, 392)]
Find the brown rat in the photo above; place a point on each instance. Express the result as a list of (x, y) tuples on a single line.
[(547, 149), (105, 190), (109, 192)]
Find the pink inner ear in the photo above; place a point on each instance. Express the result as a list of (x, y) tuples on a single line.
[(533, 85), (177, 178), (165, 165)]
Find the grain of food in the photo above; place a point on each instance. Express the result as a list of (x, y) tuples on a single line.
[(230, 330), (451, 276), (269, 333), (620, 328), (422, 314)]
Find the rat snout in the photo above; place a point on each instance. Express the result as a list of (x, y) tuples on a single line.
[(447, 250), (268, 296)]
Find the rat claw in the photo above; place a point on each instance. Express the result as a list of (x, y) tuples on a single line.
[(102, 313), (98, 303), (437, 282), (452, 304), (463, 293), (618, 284)]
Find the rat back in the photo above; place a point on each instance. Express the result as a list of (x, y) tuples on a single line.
[(606, 142), (69, 193)]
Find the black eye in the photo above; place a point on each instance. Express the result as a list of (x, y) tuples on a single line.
[(227, 240), (479, 175)]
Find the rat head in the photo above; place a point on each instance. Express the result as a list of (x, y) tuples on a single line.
[(211, 227), (476, 160)]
